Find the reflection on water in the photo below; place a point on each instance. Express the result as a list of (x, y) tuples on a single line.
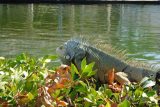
[(38, 29)]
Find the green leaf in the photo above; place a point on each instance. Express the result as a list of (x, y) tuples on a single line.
[(116, 96), (138, 93), (82, 83), (73, 94), (151, 93), (125, 103), (91, 65), (53, 57), (2, 84), (30, 96), (2, 58), (82, 87), (108, 92), (83, 64), (88, 100), (80, 99), (91, 73), (21, 58), (87, 71), (47, 60), (56, 93), (108, 104), (93, 92), (72, 72), (74, 69)]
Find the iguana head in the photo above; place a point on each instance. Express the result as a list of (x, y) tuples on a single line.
[(70, 51)]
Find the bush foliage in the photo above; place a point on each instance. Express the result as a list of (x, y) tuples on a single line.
[(37, 82)]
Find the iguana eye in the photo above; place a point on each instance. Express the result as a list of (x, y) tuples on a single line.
[(61, 47), (67, 57), (151, 75)]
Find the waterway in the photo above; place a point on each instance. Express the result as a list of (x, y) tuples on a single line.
[(38, 29)]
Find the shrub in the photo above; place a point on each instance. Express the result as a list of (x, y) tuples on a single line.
[(29, 81)]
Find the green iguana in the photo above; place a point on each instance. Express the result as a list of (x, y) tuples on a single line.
[(73, 51)]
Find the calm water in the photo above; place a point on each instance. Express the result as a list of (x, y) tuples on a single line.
[(38, 29)]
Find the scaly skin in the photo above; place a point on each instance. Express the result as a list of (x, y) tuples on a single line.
[(75, 51)]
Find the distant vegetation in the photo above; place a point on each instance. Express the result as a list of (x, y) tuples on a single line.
[(29, 81)]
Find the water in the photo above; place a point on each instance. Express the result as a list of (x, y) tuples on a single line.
[(38, 29)]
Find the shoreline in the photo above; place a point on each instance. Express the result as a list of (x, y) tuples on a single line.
[(82, 1)]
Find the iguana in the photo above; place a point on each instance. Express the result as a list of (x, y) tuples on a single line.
[(73, 51)]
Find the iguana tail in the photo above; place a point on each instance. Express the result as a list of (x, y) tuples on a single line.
[(158, 84), (158, 77)]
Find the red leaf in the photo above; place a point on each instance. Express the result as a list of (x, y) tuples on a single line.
[(111, 76), (114, 105), (61, 103), (21, 98), (101, 105), (4, 103), (115, 87)]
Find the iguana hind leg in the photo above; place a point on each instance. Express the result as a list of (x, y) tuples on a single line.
[(122, 78)]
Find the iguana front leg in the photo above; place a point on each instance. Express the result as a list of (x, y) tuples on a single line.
[(77, 63), (78, 59), (158, 85)]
